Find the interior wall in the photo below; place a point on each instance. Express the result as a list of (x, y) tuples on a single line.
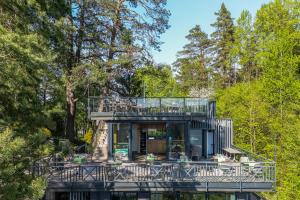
[(156, 146), (135, 138)]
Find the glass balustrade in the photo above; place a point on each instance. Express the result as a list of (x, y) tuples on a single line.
[(149, 105)]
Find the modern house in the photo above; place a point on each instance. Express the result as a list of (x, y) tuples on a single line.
[(162, 148)]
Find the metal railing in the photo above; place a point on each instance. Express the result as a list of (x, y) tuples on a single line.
[(204, 172), (148, 105)]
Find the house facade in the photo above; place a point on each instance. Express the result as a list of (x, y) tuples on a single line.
[(163, 148), (165, 127)]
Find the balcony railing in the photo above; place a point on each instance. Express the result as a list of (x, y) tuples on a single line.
[(240, 174), (149, 105)]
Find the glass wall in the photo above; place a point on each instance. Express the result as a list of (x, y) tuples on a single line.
[(163, 196), (192, 196), (156, 138), (124, 196), (176, 144), (221, 196), (121, 141), (150, 105)]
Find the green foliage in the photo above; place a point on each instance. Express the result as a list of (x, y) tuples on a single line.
[(15, 163), (96, 42), (157, 81), (265, 107), (258, 127), (222, 43), (65, 147), (245, 48), (244, 104), (192, 61), (25, 63)]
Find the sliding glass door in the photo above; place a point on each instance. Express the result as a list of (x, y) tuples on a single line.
[(121, 133), (176, 137)]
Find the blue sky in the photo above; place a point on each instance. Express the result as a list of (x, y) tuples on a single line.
[(188, 13)]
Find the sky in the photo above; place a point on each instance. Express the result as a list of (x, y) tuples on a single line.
[(187, 13)]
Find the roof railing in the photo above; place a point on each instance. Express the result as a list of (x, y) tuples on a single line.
[(150, 104)]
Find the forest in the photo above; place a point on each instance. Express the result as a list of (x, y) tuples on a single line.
[(54, 54)]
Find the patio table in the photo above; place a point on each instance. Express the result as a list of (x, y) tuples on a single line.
[(233, 152)]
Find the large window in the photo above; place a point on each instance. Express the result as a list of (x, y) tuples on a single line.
[(156, 138), (221, 196), (192, 196), (163, 196), (121, 141), (123, 196), (176, 145), (155, 131)]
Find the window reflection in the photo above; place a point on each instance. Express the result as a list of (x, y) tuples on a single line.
[(192, 196), (176, 145), (121, 141)]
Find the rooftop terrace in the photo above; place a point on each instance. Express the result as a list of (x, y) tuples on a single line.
[(110, 107)]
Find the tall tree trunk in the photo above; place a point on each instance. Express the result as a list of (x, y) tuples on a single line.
[(74, 58), (70, 95), (71, 111), (111, 52)]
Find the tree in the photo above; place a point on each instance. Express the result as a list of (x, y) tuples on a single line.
[(25, 59), (16, 161), (101, 39), (266, 109), (155, 81), (276, 25), (192, 61), (222, 42), (244, 48)]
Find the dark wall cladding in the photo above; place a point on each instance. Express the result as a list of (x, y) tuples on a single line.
[(70, 196), (222, 128)]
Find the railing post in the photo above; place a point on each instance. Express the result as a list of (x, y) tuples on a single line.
[(160, 104), (184, 105), (240, 177), (206, 177), (274, 172), (104, 174)]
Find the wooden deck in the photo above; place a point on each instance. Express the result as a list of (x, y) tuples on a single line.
[(224, 176)]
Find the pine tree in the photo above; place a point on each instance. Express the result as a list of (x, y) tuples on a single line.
[(25, 58), (100, 40), (193, 60), (222, 42)]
